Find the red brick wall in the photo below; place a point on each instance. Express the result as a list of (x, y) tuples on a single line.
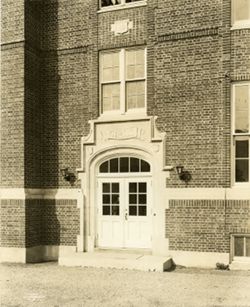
[(240, 61), (188, 58), (12, 119), (205, 225), (60, 222), (12, 20), (34, 222), (34, 227), (69, 90), (12, 223), (189, 105), (32, 103), (135, 36), (191, 92)]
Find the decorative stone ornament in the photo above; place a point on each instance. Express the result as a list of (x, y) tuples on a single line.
[(120, 27)]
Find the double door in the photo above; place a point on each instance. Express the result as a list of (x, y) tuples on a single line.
[(124, 212)]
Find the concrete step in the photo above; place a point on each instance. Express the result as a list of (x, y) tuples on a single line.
[(117, 260)]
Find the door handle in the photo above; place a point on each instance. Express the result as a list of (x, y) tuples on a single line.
[(126, 216)]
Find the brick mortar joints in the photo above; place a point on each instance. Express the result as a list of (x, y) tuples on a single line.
[(188, 34), (43, 52)]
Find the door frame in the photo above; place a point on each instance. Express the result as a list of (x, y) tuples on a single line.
[(124, 179), (137, 136)]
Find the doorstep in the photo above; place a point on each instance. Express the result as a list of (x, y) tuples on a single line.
[(120, 259)]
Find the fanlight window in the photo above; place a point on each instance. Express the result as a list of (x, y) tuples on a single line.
[(124, 165)]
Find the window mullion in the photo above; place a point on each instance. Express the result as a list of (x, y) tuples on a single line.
[(122, 78)]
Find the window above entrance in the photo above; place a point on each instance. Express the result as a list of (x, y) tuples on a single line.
[(123, 81), (124, 165)]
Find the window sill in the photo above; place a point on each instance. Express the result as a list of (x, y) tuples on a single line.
[(122, 7), (241, 26), (122, 117)]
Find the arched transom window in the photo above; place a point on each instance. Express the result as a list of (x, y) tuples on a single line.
[(124, 165)]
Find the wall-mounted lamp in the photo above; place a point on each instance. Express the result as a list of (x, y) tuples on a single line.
[(179, 169), (183, 175), (67, 175)]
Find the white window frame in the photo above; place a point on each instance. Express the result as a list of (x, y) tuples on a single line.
[(123, 107), (239, 136), (123, 5), (239, 258), (240, 24)]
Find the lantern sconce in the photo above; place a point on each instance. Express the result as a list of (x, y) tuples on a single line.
[(183, 175), (67, 175)]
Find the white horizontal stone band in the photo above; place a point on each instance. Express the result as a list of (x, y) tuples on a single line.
[(40, 193)]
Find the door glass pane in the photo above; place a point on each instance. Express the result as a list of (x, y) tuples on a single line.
[(106, 187), (106, 210), (132, 187), (242, 8), (143, 187), (142, 198), (106, 199), (242, 109), (132, 198), (115, 187), (134, 165), (239, 246), (132, 210), (242, 148), (115, 198), (242, 170), (142, 210), (115, 210), (124, 165), (114, 166)]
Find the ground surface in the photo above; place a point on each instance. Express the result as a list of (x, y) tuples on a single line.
[(48, 285)]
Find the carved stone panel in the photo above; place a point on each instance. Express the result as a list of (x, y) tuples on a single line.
[(120, 27), (122, 132)]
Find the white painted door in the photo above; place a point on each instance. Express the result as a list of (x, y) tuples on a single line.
[(124, 212)]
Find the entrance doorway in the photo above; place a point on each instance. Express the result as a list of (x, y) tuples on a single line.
[(124, 203)]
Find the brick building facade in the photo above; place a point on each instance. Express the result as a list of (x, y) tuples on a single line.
[(125, 125)]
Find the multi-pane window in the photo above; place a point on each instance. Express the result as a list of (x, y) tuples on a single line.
[(123, 80), (124, 165), (138, 198), (105, 3), (241, 246), (110, 198), (241, 131), (240, 12)]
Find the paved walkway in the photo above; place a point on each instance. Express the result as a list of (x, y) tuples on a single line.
[(48, 284)]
